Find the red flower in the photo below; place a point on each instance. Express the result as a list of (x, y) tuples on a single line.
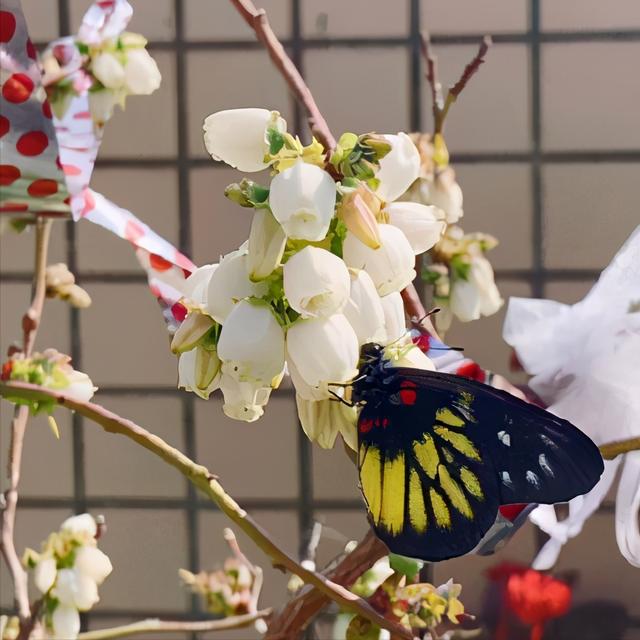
[(535, 598)]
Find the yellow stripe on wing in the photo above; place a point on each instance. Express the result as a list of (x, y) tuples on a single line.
[(371, 480), (393, 485), (427, 455), (448, 417), (440, 509), (417, 509), (454, 492), (459, 441), (471, 482)]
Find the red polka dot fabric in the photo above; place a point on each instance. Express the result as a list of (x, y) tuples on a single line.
[(47, 162)]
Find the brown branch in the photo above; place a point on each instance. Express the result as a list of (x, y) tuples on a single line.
[(471, 69), (30, 324), (431, 72), (300, 610), (154, 625), (257, 20), (202, 479), (614, 449)]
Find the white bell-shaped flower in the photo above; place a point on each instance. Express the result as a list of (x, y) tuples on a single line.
[(323, 350), (316, 282), (65, 622), (141, 73), (267, 241), (445, 193), (101, 104), (239, 136), (242, 400), (399, 168), (422, 225), (44, 574), (302, 199), (92, 562), (364, 310), (478, 295), (75, 589), (251, 344), (196, 286), (390, 266), (394, 321), (322, 421), (82, 526), (199, 371), (108, 70), (229, 283)]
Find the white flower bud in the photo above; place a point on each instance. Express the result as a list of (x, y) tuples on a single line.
[(322, 420), (251, 344), (303, 199), (316, 282), (445, 193), (82, 526), (101, 104), (267, 241), (394, 321), (108, 70), (399, 168), (196, 285), (422, 225), (66, 622), (364, 310), (199, 371), (230, 283), (142, 76), (477, 295), (44, 574), (80, 386), (75, 589), (93, 563), (390, 266), (323, 350), (192, 329), (239, 136)]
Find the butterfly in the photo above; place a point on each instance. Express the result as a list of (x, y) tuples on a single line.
[(438, 455)]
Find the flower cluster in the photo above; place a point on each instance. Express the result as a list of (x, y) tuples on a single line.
[(227, 591), (50, 369), (110, 69), (461, 276), (67, 572), (61, 283), (330, 249)]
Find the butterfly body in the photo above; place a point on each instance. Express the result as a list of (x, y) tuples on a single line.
[(438, 455)]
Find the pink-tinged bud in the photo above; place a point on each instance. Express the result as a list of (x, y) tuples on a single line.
[(193, 328), (360, 219)]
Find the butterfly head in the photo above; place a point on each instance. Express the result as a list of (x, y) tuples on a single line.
[(374, 374)]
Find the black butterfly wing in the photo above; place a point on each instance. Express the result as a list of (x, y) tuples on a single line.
[(439, 454), (538, 456), (430, 494)]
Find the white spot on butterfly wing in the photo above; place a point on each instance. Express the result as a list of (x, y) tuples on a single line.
[(505, 438), (548, 441), (533, 479), (544, 465), (506, 479)]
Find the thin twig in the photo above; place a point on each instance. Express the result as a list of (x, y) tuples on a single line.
[(204, 480), (441, 105), (257, 20), (614, 449), (30, 324), (153, 625)]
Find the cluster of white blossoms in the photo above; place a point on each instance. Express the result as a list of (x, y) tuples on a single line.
[(462, 277), (67, 572), (330, 249), (110, 70)]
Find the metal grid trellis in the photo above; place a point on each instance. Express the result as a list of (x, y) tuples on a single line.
[(537, 276)]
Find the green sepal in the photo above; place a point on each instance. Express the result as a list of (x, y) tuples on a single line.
[(409, 567), (460, 267), (275, 139)]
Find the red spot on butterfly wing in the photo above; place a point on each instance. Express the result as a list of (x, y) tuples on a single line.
[(423, 342), (472, 370), (89, 203), (512, 511), (14, 207), (179, 311), (46, 110), (133, 231), (17, 88), (32, 143), (7, 26), (365, 425), (31, 50), (71, 170), (408, 394), (8, 174)]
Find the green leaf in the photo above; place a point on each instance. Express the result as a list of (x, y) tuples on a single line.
[(338, 231), (460, 267), (275, 139), (429, 276), (409, 567)]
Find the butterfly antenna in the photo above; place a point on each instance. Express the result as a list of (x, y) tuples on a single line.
[(426, 315), (340, 398), (446, 348)]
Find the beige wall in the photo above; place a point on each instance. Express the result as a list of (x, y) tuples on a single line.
[(589, 95)]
